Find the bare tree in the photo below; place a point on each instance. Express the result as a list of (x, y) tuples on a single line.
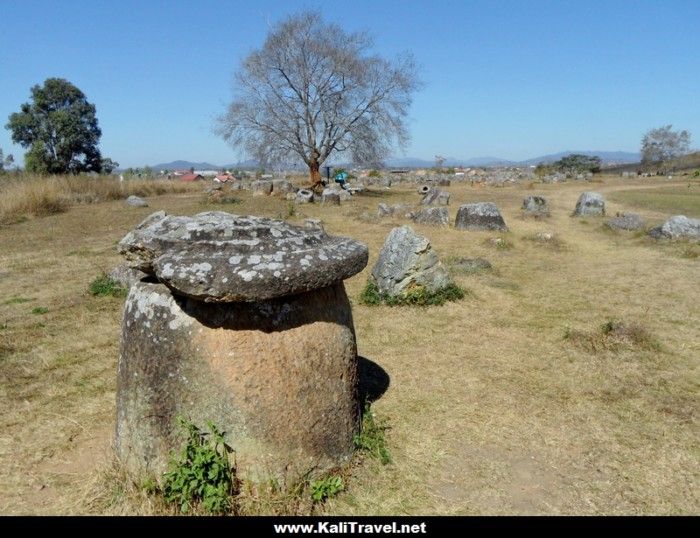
[(313, 90), (439, 161), (662, 144)]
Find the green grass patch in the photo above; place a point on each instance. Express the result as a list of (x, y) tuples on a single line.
[(39, 310), (104, 286), (416, 295), (372, 438), (325, 488), (17, 300), (683, 200)]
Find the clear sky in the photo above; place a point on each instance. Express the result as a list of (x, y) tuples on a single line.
[(510, 79)]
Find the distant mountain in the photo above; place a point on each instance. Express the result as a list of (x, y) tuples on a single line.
[(185, 165), (607, 157)]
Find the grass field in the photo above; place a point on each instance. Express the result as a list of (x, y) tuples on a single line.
[(510, 401)]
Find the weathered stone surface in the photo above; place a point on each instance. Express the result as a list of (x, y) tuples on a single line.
[(626, 221), (435, 196), (135, 201), (282, 186), (304, 196), (434, 216), (220, 257), (262, 186), (278, 376), (590, 204), (424, 189), (677, 227), (385, 182), (126, 276), (344, 195), (480, 216), (472, 265), (535, 205), (330, 197), (407, 260), (396, 210)]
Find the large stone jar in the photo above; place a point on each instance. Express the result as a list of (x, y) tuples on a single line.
[(244, 322)]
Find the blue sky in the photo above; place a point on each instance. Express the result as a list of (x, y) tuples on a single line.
[(511, 79)]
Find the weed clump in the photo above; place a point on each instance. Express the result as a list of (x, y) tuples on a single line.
[(325, 488), (202, 475), (414, 296), (611, 336), (104, 286), (371, 438)]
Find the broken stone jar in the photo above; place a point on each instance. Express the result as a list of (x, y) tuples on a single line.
[(244, 322)]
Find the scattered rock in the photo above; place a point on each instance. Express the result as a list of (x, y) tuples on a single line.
[(282, 186), (480, 216), (260, 187), (136, 201), (535, 206), (407, 260), (435, 196), (626, 221), (677, 227), (443, 182), (396, 210), (330, 197), (434, 216), (126, 276), (314, 224), (304, 196), (590, 204)]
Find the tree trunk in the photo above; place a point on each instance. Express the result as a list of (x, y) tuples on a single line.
[(315, 175)]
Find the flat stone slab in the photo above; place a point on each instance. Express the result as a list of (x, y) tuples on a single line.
[(221, 257)]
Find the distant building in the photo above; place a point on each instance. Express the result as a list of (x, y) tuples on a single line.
[(223, 178), (189, 177), (207, 173)]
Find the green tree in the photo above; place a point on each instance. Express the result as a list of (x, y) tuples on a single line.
[(577, 164), (108, 165), (59, 128), (663, 144), (5, 161)]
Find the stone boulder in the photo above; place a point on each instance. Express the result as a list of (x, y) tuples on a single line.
[(434, 216), (126, 276), (396, 210), (590, 204), (330, 197), (304, 196), (135, 201), (282, 186), (261, 187), (406, 261), (535, 206), (435, 196), (244, 322), (677, 227), (626, 221), (480, 216)]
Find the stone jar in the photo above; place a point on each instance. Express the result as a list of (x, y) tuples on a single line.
[(244, 322)]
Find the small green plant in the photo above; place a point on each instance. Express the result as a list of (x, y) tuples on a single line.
[(39, 310), (202, 474), (17, 300), (374, 173), (416, 295), (325, 488), (291, 209), (371, 438), (104, 286)]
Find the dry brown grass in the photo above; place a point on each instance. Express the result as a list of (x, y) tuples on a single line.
[(36, 196), (491, 410)]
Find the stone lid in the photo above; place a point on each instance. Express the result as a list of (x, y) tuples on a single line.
[(221, 257)]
